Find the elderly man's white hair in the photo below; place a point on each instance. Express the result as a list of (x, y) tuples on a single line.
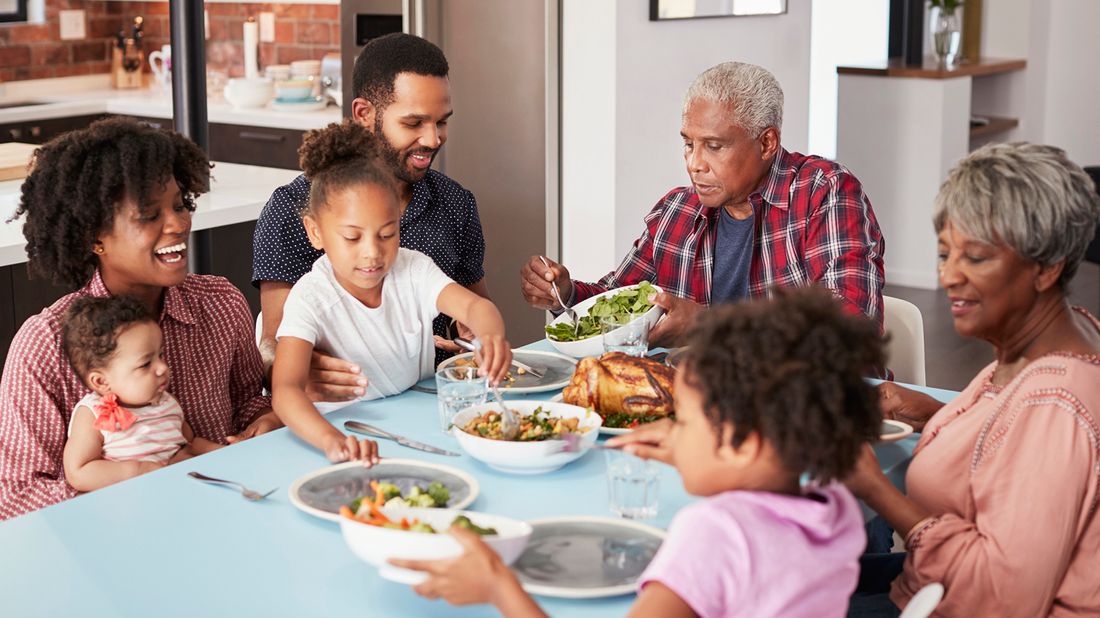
[(754, 92)]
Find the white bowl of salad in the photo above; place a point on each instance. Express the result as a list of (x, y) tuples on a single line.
[(376, 534), (620, 302), (539, 447)]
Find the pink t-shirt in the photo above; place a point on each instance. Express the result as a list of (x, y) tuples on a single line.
[(750, 553)]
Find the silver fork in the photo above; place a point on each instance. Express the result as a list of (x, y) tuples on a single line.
[(246, 492), (509, 424), (568, 310)]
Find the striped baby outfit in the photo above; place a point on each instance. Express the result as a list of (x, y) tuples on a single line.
[(155, 435)]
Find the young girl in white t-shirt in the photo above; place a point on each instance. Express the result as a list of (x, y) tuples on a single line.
[(366, 300)]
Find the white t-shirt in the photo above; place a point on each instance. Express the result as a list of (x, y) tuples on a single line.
[(392, 344)]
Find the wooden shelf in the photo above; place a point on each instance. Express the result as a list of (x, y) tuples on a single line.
[(997, 124), (931, 70)]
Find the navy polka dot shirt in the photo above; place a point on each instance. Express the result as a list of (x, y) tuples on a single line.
[(441, 221)]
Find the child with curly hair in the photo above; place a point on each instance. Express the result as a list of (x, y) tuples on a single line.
[(128, 424), (366, 300), (767, 392)]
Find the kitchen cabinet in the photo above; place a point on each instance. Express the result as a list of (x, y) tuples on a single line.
[(42, 131), (246, 145), (22, 298), (255, 145)]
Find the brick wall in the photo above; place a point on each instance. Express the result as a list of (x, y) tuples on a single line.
[(34, 51)]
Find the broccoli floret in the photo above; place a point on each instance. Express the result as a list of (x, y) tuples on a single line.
[(439, 493), (397, 501), (421, 527), (389, 490), (422, 500), (464, 522)]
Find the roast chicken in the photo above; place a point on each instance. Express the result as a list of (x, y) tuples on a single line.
[(616, 383)]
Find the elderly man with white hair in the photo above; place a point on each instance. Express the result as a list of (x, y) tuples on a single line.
[(755, 216)]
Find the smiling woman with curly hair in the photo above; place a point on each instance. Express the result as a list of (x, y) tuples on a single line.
[(107, 211)]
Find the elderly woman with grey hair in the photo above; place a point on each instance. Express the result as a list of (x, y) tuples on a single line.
[(1004, 484)]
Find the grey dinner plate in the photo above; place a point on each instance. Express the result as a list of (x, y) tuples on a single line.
[(557, 370), (586, 557), (323, 492)]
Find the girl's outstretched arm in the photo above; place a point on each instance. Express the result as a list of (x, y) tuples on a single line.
[(295, 409), (483, 318)]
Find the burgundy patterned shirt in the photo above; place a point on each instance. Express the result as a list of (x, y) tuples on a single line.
[(217, 376), (813, 225)]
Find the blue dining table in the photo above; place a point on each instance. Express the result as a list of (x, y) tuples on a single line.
[(164, 544)]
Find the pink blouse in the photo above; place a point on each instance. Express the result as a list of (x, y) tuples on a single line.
[(1012, 475), (217, 376)]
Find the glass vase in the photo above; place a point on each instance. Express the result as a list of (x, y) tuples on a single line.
[(946, 35)]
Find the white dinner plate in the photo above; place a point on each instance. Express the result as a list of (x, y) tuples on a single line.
[(557, 370), (322, 492), (892, 431), (586, 557)]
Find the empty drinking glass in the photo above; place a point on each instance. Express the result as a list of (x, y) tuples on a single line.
[(632, 485), (458, 388), (628, 334)]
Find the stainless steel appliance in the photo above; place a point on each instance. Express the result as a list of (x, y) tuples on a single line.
[(503, 140)]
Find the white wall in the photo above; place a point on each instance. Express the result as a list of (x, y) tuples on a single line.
[(1072, 92), (832, 44), (647, 66), (588, 95)]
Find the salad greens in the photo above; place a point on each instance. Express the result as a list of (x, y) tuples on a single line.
[(621, 305), (622, 420)]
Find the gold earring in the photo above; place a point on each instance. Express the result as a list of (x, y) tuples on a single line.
[(97, 249)]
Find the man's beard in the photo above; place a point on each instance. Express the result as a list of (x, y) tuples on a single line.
[(395, 159)]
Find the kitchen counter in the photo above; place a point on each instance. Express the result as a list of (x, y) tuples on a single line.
[(64, 97), (237, 194)]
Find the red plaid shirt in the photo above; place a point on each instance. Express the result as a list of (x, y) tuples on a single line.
[(217, 376), (813, 224)]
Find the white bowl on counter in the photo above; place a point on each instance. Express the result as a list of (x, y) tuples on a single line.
[(248, 92), (593, 346), (376, 545), (526, 457)]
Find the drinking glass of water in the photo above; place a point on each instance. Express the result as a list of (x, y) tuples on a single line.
[(628, 334), (632, 485), (458, 388)]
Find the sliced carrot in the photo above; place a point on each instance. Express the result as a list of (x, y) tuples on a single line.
[(345, 511)]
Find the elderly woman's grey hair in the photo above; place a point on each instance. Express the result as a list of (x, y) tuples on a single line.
[(754, 93), (1029, 197)]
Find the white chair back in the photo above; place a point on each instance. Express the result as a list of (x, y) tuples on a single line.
[(924, 602), (905, 350)]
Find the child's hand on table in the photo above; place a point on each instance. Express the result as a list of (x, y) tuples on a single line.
[(346, 448)]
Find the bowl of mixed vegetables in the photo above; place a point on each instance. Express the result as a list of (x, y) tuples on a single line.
[(631, 300), (539, 446), (376, 533)]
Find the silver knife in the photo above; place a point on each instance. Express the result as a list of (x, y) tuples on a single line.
[(462, 343), (373, 431)]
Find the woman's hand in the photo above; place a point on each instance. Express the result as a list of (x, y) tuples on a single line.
[(477, 576), (907, 405), (867, 479), (649, 441), (263, 424), (334, 379), (494, 357), (339, 447)]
